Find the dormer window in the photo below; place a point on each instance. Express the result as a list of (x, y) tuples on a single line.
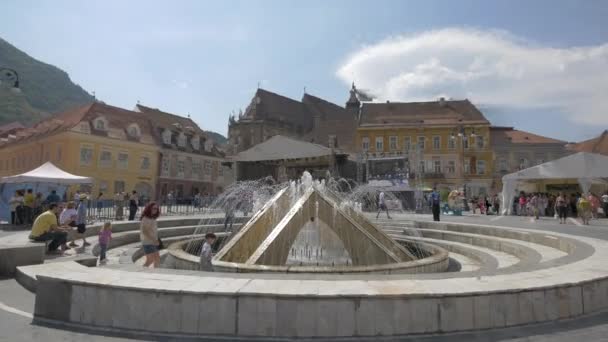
[(100, 124), (196, 142), (166, 137), (133, 130), (208, 145), (181, 140)]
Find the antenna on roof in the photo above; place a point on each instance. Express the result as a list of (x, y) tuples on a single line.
[(188, 115), (138, 102), (304, 89)]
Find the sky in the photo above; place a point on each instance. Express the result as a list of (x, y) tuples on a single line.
[(540, 66)]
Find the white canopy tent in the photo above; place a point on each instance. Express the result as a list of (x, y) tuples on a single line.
[(585, 168), (47, 173)]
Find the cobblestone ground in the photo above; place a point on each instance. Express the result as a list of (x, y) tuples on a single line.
[(16, 303)]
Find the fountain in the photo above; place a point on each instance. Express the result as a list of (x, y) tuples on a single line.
[(308, 226)]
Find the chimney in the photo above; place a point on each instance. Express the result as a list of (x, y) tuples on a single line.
[(442, 101)]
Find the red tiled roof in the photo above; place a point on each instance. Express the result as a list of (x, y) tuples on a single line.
[(508, 134), (447, 112), (596, 145), (118, 121), (9, 127)]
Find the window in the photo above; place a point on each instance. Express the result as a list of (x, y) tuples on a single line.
[(451, 168), (105, 158), (208, 145), (465, 141), (479, 141), (365, 144), (145, 162), (379, 144), (332, 141), (502, 165), (481, 167), (467, 166), (181, 168), (100, 124), (103, 186), (181, 140), (167, 137), (436, 142), (437, 166), (123, 160), (523, 163), (165, 166), (452, 142), (86, 155), (392, 141), (119, 186), (197, 169), (196, 142), (421, 166), (207, 167), (133, 130), (421, 143), (407, 143)]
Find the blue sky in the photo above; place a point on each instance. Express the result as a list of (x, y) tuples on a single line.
[(537, 65)]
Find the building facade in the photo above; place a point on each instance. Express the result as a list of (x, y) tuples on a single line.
[(112, 145), (439, 143), (189, 161), (311, 119), (516, 150)]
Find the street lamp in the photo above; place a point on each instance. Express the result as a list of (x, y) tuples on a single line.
[(10, 76)]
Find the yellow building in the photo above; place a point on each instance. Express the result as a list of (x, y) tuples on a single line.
[(112, 145), (440, 143)]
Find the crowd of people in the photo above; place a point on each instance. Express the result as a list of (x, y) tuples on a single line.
[(561, 205)]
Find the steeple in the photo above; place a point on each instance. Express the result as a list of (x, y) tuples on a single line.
[(353, 101)]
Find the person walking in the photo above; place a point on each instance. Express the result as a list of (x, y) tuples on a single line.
[(148, 234), (119, 206), (382, 205), (105, 235), (435, 202), (561, 206), (534, 204), (522, 204), (170, 201), (81, 222), (584, 209), (133, 205), (207, 253)]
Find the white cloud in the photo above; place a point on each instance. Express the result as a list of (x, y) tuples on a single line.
[(488, 67)]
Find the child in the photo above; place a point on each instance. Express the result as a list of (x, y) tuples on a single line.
[(105, 235), (207, 253)]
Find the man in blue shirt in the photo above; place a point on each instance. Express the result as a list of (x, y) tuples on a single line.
[(53, 197), (435, 201)]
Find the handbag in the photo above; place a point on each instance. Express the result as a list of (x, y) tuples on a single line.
[(160, 244)]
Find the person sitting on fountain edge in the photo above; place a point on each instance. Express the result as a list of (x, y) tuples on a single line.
[(207, 252)]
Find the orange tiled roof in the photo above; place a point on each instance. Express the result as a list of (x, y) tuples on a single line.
[(416, 113), (596, 145)]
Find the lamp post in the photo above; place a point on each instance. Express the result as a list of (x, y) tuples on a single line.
[(461, 132), (9, 75)]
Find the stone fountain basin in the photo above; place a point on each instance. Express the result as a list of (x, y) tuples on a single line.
[(437, 261)]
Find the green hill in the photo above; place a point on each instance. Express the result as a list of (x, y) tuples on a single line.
[(43, 89)]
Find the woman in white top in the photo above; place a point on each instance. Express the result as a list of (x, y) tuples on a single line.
[(15, 202), (148, 234), (68, 215)]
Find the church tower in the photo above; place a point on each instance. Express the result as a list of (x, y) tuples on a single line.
[(353, 102)]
